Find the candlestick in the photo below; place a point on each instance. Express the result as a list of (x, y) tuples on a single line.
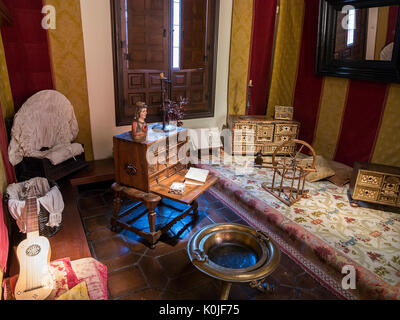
[(248, 106), (164, 127)]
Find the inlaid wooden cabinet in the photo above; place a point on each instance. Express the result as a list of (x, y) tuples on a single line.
[(144, 164), (376, 183), (252, 134)]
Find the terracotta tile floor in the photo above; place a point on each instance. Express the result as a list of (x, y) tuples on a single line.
[(136, 272)]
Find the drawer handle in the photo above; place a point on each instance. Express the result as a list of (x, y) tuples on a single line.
[(130, 169)]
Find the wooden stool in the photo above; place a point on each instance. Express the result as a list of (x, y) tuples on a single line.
[(151, 202)]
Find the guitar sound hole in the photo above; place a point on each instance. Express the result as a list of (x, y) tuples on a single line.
[(33, 250)]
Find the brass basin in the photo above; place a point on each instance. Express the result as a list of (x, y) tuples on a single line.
[(233, 253)]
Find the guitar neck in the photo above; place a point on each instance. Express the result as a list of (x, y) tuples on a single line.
[(32, 223)]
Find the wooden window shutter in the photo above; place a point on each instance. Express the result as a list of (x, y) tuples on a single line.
[(147, 28), (194, 33)]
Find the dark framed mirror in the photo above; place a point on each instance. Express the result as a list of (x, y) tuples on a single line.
[(359, 39)]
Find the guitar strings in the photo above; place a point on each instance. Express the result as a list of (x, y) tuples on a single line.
[(32, 278)]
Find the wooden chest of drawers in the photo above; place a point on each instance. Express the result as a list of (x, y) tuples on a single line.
[(376, 183), (252, 134), (142, 165)]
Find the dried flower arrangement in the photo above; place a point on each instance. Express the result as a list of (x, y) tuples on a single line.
[(176, 110)]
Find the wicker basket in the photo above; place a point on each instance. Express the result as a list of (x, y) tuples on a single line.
[(44, 230)]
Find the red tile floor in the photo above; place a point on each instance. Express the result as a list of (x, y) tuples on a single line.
[(136, 272)]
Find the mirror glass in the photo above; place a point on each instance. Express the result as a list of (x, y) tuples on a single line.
[(365, 34)]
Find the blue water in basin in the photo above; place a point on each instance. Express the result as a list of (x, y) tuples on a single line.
[(233, 256)]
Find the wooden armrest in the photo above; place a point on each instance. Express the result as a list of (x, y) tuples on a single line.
[(134, 194)]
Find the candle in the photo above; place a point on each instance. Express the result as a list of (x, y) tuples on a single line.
[(251, 83), (162, 75)]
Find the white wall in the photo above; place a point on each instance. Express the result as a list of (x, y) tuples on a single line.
[(96, 23)]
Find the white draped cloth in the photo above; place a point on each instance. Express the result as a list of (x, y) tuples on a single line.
[(50, 198), (46, 120)]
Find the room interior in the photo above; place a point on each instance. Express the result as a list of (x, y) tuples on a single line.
[(289, 107)]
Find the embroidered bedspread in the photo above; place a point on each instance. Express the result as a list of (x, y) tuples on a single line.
[(370, 238)]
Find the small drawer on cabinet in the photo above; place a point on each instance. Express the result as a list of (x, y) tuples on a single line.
[(286, 129), (243, 137), (391, 184), (172, 152), (153, 168), (364, 193), (282, 139), (173, 160), (157, 149), (265, 133), (162, 161), (245, 127), (391, 200), (369, 178)]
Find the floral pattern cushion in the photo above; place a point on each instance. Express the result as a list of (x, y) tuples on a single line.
[(67, 275)]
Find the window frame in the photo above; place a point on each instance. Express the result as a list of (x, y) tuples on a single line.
[(118, 61), (351, 30), (173, 68)]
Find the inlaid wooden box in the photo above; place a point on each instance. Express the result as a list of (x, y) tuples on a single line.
[(283, 113), (142, 165), (252, 134), (376, 183)]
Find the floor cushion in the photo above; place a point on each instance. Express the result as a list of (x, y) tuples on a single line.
[(67, 275)]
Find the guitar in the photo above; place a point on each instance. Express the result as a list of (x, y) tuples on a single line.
[(34, 281)]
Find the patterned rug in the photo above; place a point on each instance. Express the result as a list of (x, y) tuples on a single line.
[(336, 232)]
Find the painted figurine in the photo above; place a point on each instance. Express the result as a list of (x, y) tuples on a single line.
[(139, 126)]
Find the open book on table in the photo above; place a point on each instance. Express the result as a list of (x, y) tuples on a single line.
[(196, 176)]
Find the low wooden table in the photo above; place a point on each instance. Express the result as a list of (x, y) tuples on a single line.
[(152, 199)]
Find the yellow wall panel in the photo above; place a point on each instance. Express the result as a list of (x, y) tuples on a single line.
[(287, 54), (3, 177), (6, 99), (333, 102), (242, 23), (68, 63), (387, 149)]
